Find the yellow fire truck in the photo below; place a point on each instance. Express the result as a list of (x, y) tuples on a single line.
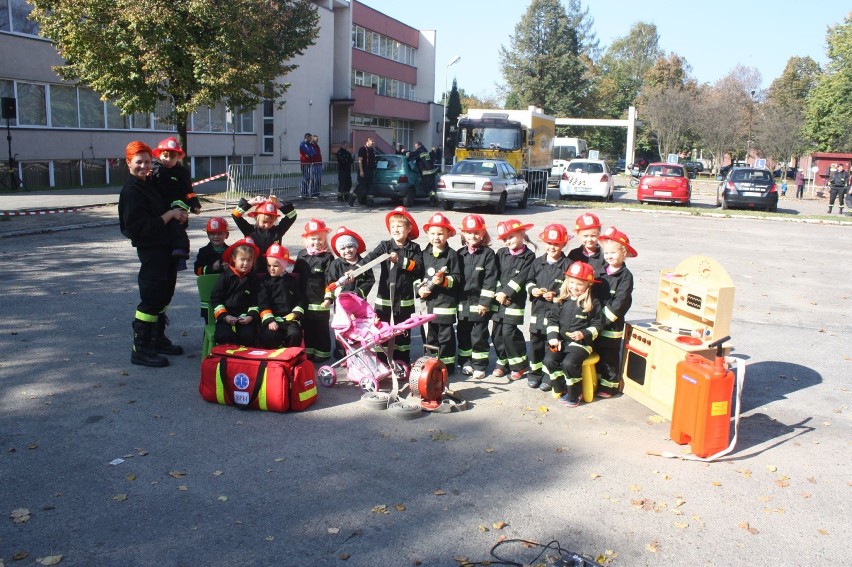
[(524, 138)]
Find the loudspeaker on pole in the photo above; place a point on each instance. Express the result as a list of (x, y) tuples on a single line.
[(9, 107)]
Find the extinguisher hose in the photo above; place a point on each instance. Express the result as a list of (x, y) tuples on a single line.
[(741, 372)]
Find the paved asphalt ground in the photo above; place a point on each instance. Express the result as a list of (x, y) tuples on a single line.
[(209, 485)]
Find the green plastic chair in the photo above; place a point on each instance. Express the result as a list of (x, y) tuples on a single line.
[(205, 288)]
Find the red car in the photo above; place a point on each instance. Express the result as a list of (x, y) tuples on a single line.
[(664, 183)]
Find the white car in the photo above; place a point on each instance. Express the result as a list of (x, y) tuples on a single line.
[(586, 178), (489, 182)]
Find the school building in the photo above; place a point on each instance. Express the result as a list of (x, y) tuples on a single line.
[(367, 75)]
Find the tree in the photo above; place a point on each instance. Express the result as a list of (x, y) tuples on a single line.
[(191, 54), (669, 114), (829, 114), (778, 132), (721, 115), (542, 66), (583, 24), (454, 109), (792, 88)]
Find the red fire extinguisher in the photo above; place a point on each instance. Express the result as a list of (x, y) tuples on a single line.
[(702, 404)]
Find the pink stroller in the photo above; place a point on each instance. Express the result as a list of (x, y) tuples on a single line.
[(362, 336)]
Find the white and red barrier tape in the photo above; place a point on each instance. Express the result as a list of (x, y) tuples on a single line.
[(48, 212), (200, 181)]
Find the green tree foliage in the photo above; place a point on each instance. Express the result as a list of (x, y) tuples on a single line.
[(191, 53), (454, 109), (792, 88), (542, 65), (829, 113)]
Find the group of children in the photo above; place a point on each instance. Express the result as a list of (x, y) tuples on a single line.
[(577, 301)]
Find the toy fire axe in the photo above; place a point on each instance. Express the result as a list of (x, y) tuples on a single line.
[(357, 272)]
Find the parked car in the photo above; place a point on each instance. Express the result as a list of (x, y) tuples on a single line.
[(664, 183), (556, 171), (748, 187), (619, 166), (586, 178), (489, 182), (791, 172), (693, 168), (397, 178)]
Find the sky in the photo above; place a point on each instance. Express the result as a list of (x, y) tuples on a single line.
[(713, 37)]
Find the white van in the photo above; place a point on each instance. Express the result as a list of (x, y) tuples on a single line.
[(564, 150)]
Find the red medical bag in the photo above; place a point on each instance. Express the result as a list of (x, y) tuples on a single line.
[(271, 380)]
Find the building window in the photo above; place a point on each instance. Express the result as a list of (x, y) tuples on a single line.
[(32, 106), (140, 121), (161, 116), (218, 118), (91, 109), (13, 17), (63, 107), (7, 89), (115, 119), (268, 127), (381, 45)]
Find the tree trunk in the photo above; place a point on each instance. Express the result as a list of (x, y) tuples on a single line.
[(181, 121)]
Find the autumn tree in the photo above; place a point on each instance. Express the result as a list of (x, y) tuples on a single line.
[(829, 114), (778, 132), (191, 54), (792, 88), (542, 64)]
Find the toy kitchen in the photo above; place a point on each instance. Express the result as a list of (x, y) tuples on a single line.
[(694, 308)]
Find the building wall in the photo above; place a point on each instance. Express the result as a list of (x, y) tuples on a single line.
[(320, 100)]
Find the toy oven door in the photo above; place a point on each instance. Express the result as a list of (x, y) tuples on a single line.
[(637, 357)]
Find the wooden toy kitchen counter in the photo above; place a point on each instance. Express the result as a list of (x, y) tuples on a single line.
[(694, 308)]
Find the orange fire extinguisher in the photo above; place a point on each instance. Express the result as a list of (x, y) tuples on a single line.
[(702, 404)]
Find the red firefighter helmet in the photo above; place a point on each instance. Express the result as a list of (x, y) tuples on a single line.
[(581, 271), (555, 234), (217, 224), (507, 227), (315, 226), (616, 235), (438, 219), (586, 221), (472, 222)]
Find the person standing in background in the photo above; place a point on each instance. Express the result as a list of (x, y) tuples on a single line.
[(306, 155), (344, 172), (800, 184), (366, 170)]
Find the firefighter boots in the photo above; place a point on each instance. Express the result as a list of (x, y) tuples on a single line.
[(161, 343), (143, 345)]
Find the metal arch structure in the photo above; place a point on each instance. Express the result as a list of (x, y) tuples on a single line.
[(630, 123)]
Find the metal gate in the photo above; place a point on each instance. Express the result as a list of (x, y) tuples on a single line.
[(537, 182), (288, 180)]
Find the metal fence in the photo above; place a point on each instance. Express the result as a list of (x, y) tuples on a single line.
[(288, 180), (537, 181)]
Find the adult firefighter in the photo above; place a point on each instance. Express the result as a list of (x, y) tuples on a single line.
[(426, 168), (143, 213)]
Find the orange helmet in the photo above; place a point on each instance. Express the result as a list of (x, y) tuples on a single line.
[(581, 271), (472, 222), (438, 219), (555, 234), (587, 220), (217, 224)]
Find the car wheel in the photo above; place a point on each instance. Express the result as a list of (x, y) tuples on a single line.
[(522, 204), (448, 205), (724, 204), (500, 207), (773, 209)]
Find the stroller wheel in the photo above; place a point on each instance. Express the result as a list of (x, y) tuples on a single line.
[(369, 385), (327, 376)]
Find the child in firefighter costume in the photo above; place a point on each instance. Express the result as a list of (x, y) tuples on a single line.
[(264, 232), (588, 229), (143, 215), (546, 277), (234, 296), (515, 263), (312, 266), (480, 274), (439, 288), (571, 333), (348, 246), (209, 258), (174, 180), (405, 266), (280, 302), (617, 293)]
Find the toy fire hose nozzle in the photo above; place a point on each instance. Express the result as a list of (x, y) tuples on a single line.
[(429, 285), (368, 266)]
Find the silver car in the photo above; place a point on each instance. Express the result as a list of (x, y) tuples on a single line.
[(490, 182)]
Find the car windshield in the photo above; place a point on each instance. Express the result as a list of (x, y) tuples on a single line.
[(665, 171), (388, 162), (465, 167), (585, 167), (490, 138), (751, 175)]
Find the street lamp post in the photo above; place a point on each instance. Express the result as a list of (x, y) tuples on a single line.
[(750, 113), (455, 60)]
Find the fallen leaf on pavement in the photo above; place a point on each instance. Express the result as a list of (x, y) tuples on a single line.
[(822, 531), (442, 436), (49, 560), (183, 488), (653, 547), (177, 474), (499, 525), (223, 499), (120, 497), (399, 507), (606, 557), (594, 476), (439, 492), (380, 509), (333, 530)]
